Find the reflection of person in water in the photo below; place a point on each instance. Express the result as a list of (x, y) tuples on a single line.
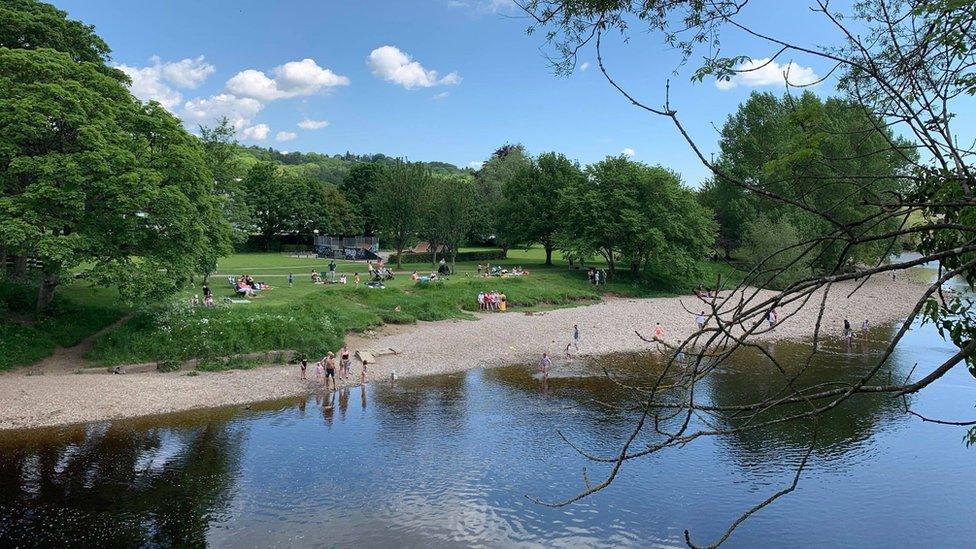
[(544, 386), (301, 405), (362, 395), (343, 402), (328, 407)]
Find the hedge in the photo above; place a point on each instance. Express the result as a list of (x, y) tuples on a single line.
[(480, 255)]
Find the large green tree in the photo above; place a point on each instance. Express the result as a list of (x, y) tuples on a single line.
[(528, 212), (223, 160), (449, 211), (787, 148), (359, 185), (93, 178), (490, 180), (398, 202), (638, 214)]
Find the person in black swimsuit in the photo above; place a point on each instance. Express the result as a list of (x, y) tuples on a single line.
[(304, 366), (330, 370)]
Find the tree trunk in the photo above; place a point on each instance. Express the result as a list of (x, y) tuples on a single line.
[(399, 249), (45, 292), (549, 254)]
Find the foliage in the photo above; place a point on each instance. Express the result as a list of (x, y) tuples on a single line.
[(33, 25), (626, 211), (397, 202), (480, 255), (529, 213), (221, 154), (504, 163), (788, 147), (773, 248), (93, 177), (450, 210), (284, 203), (359, 185)]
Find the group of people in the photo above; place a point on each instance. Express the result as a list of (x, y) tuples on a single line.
[(492, 301), (379, 271), (208, 299), (248, 287), (488, 271), (596, 276), (705, 293), (849, 331), (325, 369), (341, 279)]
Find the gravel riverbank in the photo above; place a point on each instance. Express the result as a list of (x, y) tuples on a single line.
[(28, 401)]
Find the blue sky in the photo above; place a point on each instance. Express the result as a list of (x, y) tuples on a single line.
[(447, 80)]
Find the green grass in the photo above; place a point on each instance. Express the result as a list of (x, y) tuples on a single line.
[(309, 318), (78, 311)]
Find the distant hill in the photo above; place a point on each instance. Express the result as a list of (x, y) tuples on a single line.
[(329, 168)]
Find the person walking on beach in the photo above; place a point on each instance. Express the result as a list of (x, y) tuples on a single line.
[(700, 320), (658, 331), (545, 363), (330, 370), (772, 317), (576, 337), (362, 377), (319, 371), (344, 362), (304, 366)]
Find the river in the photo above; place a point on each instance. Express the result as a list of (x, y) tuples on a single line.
[(449, 461)]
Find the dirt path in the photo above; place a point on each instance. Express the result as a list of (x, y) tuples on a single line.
[(66, 360)]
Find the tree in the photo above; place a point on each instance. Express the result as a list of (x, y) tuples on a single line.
[(397, 202), (91, 176), (326, 210), (626, 211), (903, 65), (359, 185), (529, 209), (786, 147), (489, 182), (33, 25), (221, 148), (448, 214)]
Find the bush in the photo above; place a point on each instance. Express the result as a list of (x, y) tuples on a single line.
[(476, 255)]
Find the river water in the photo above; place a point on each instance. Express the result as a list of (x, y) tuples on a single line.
[(449, 460)]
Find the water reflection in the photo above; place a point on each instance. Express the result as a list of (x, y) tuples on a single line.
[(448, 460)]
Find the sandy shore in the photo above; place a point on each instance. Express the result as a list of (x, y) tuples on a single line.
[(28, 401)]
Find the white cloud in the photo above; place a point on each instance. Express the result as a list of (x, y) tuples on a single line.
[(441, 95), (313, 124), (156, 82), (293, 79), (187, 73), (258, 132), (763, 72), (628, 152), (476, 164), (285, 136), (585, 65), (393, 65), (206, 111)]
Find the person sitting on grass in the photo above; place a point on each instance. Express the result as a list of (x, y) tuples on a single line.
[(415, 277), (316, 277), (356, 279), (342, 279)]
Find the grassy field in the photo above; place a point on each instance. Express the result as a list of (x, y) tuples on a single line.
[(78, 311), (307, 317)]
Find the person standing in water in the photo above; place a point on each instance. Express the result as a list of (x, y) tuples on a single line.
[(848, 332), (330, 370), (344, 362), (865, 327), (545, 363)]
